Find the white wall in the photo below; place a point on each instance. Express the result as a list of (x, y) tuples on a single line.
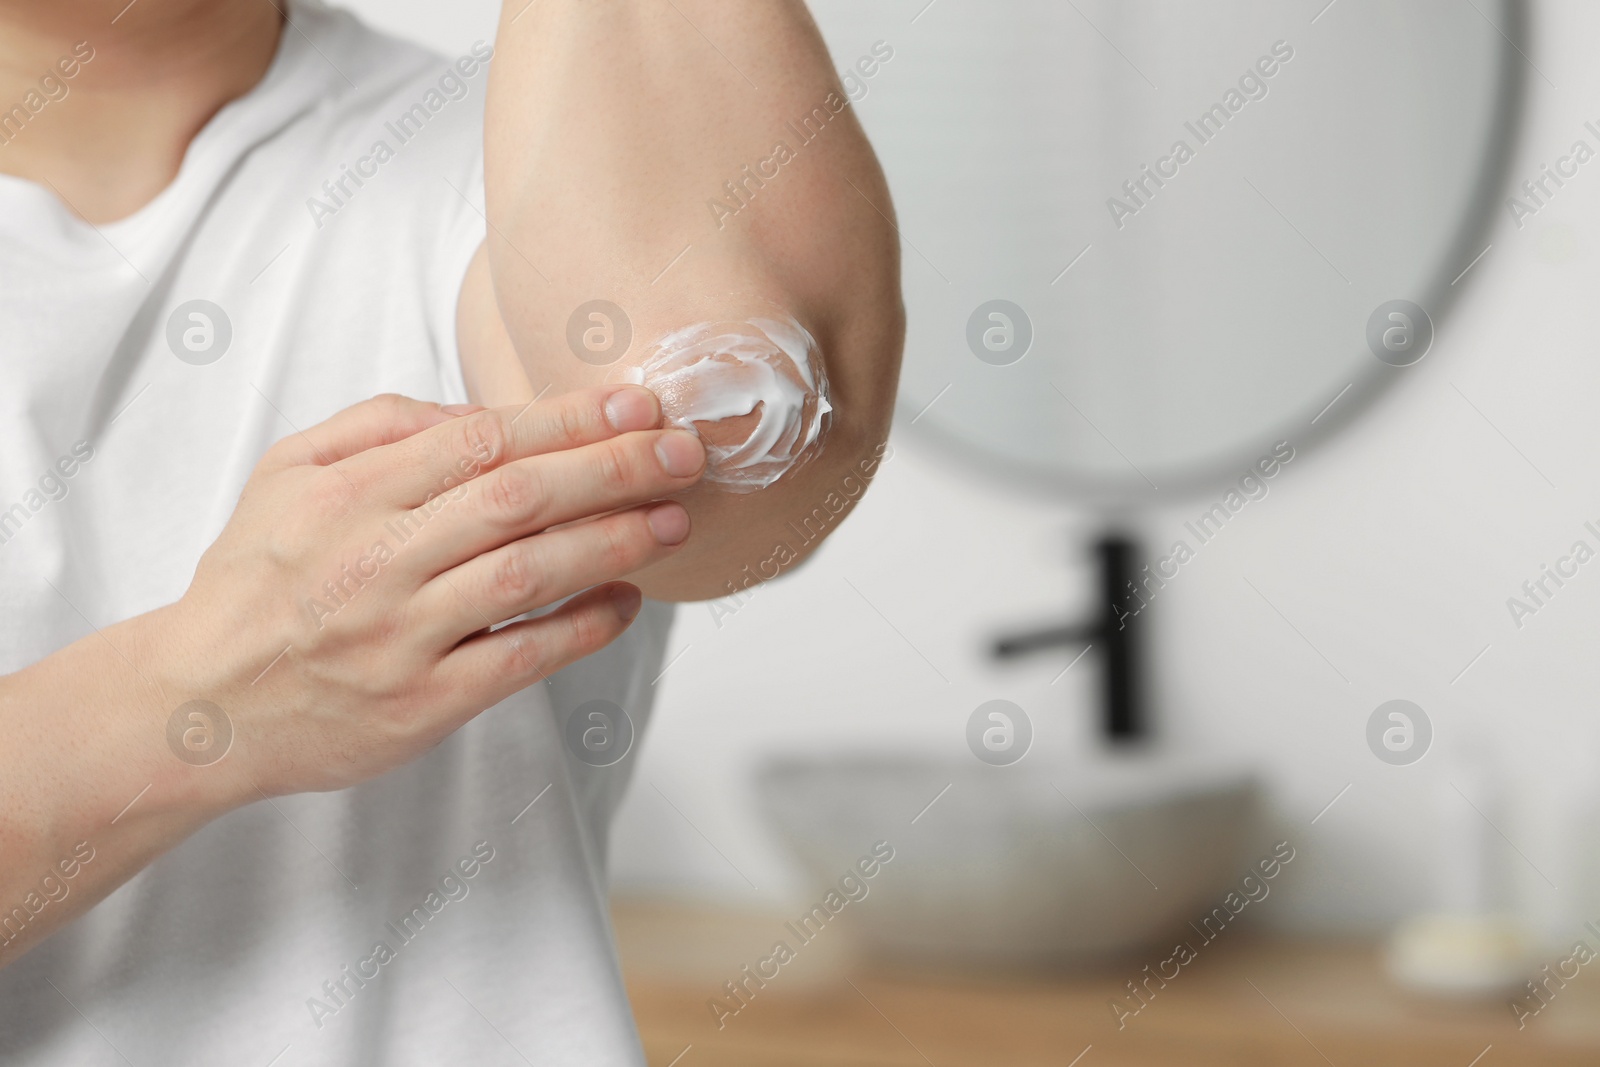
[(1392, 550)]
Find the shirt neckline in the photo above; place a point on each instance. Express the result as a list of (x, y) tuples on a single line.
[(32, 213)]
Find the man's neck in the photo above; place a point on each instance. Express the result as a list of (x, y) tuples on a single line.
[(111, 135)]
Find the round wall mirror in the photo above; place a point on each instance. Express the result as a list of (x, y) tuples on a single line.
[(1146, 240)]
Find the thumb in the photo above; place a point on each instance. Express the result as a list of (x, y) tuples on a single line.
[(382, 420)]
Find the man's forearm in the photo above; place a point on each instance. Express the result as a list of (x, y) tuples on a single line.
[(90, 790), (677, 130)]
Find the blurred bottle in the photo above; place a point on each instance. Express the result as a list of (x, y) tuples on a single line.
[(1474, 941)]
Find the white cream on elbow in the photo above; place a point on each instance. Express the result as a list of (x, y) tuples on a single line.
[(716, 371)]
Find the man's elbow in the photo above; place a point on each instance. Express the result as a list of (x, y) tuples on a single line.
[(743, 540)]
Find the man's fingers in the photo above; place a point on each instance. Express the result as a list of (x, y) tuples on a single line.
[(540, 570), (495, 665), (531, 495), (409, 472), (379, 421)]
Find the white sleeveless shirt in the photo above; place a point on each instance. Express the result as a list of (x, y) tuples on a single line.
[(145, 366)]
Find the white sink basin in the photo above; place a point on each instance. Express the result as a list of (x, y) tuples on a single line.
[(1012, 866)]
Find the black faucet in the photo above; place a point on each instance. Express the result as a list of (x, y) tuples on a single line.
[(1115, 630)]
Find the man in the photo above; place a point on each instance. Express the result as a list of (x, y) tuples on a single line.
[(291, 718)]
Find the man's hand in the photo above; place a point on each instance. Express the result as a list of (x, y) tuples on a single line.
[(374, 560)]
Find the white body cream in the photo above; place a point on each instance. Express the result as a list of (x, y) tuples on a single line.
[(768, 368)]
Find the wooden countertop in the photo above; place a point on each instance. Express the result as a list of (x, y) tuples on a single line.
[(1242, 1002)]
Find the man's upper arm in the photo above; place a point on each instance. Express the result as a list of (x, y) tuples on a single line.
[(630, 160)]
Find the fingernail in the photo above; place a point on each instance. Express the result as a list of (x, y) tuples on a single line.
[(627, 600), (461, 409), (632, 408), (670, 523), (681, 453)]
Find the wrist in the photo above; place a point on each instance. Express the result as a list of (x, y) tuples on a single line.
[(184, 722), (87, 757)]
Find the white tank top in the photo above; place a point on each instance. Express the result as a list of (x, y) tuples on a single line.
[(156, 359)]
